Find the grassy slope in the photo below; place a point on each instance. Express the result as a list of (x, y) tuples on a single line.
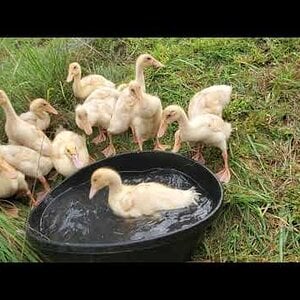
[(260, 221)]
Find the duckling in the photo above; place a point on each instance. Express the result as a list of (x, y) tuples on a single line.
[(12, 181), (22, 133), (211, 100), (28, 161), (132, 201), (147, 114), (97, 112), (38, 113), (206, 128), (70, 152), (120, 121), (82, 87)]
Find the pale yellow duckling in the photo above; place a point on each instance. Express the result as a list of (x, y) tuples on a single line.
[(132, 201), (22, 133), (208, 129), (82, 87), (12, 181), (38, 114), (211, 100), (97, 112), (28, 161), (147, 113), (122, 114), (70, 152)]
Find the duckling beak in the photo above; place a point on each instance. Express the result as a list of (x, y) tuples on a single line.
[(92, 193), (162, 128), (87, 128), (70, 77), (51, 110), (157, 64), (77, 161), (8, 170)]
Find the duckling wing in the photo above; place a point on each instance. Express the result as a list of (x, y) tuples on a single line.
[(29, 117)]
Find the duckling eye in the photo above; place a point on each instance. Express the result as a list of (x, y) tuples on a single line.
[(132, 90), (75, 67), (149, 58)]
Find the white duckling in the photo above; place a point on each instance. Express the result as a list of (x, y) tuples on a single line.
[(208, 129), (70, 152), (97, 112), (122, 115), (38, 114), (83, 87), (132, 201), (147, 113), (12, 181), (22, 133), (28, 161)]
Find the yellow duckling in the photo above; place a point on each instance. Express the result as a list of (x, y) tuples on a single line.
[(132, 201), (22, 133), (208, 129), (12, 181), (82, 87), (122, 115), (28, 161), (38, 114), (147, 113), (70, 152)]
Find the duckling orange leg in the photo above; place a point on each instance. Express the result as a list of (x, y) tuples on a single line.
[(134, 135), (31, 198), (45, 183), (100, 138), (110, 149), (177, 144), (198, 156), (224, 175), (159, 146), (140, 143)]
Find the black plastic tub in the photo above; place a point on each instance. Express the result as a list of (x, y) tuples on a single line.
[(68, 227)]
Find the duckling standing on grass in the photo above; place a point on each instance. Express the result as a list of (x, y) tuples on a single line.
[(132, 201), (206, 128), (12, 181), (96, 111), (147, 113), (210, 100), (22, 133), (70, 152), (122, 115), (83, 87), (38, 114)]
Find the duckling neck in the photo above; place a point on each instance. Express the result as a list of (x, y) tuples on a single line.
[(9, 111), (77, 82), (183, 121), (41, 114), (115, 187), (139, 75)]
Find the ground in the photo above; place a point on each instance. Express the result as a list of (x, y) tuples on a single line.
[(261, 212)]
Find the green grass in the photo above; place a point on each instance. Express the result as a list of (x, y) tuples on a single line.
[(261, 214)]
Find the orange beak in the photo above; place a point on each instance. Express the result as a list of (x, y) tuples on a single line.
[(51, 109), (77, 161), (70, 77), (92, 193), (157, 64)]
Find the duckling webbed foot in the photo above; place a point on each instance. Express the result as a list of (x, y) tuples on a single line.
[(109, 151), (161, 147), (224, 175), (199, 157), (100, 138)]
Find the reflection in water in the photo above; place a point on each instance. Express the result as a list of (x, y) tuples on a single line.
[(73, 218)]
